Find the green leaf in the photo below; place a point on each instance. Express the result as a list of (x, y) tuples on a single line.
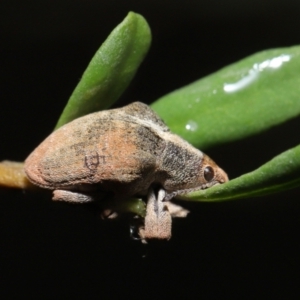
[(279, 174), (110, 70), (240, 100), (133, 205)]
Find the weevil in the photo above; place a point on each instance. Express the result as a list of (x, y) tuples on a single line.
[(129, 152)]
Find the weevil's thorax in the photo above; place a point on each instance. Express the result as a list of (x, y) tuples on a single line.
[(180, 164), (184, 168)]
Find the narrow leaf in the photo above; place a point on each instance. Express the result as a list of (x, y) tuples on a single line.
[(280, 173), (110, 70), (240, 100)]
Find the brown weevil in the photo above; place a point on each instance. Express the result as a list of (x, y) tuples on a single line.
[(128, 151)]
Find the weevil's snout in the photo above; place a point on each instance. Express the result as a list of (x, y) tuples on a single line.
[(221, 176), (212, 173)]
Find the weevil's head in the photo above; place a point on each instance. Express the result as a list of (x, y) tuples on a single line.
[(210, 173)]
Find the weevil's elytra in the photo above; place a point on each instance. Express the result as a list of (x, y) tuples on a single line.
[(91, 160), (127, 151)]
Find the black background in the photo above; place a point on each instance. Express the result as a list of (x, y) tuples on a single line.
[(247, 249)]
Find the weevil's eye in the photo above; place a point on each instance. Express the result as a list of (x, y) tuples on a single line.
[(209, 173)]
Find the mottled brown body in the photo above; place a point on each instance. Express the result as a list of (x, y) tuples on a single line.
[(125, 151)]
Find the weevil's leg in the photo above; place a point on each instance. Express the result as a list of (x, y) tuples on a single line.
[(72, 196), (158, 221), (176, 211), (108, 214), (79, 197)]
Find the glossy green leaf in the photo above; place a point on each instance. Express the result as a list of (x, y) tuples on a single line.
[(279, 174), (111, 69), (240, 100)]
